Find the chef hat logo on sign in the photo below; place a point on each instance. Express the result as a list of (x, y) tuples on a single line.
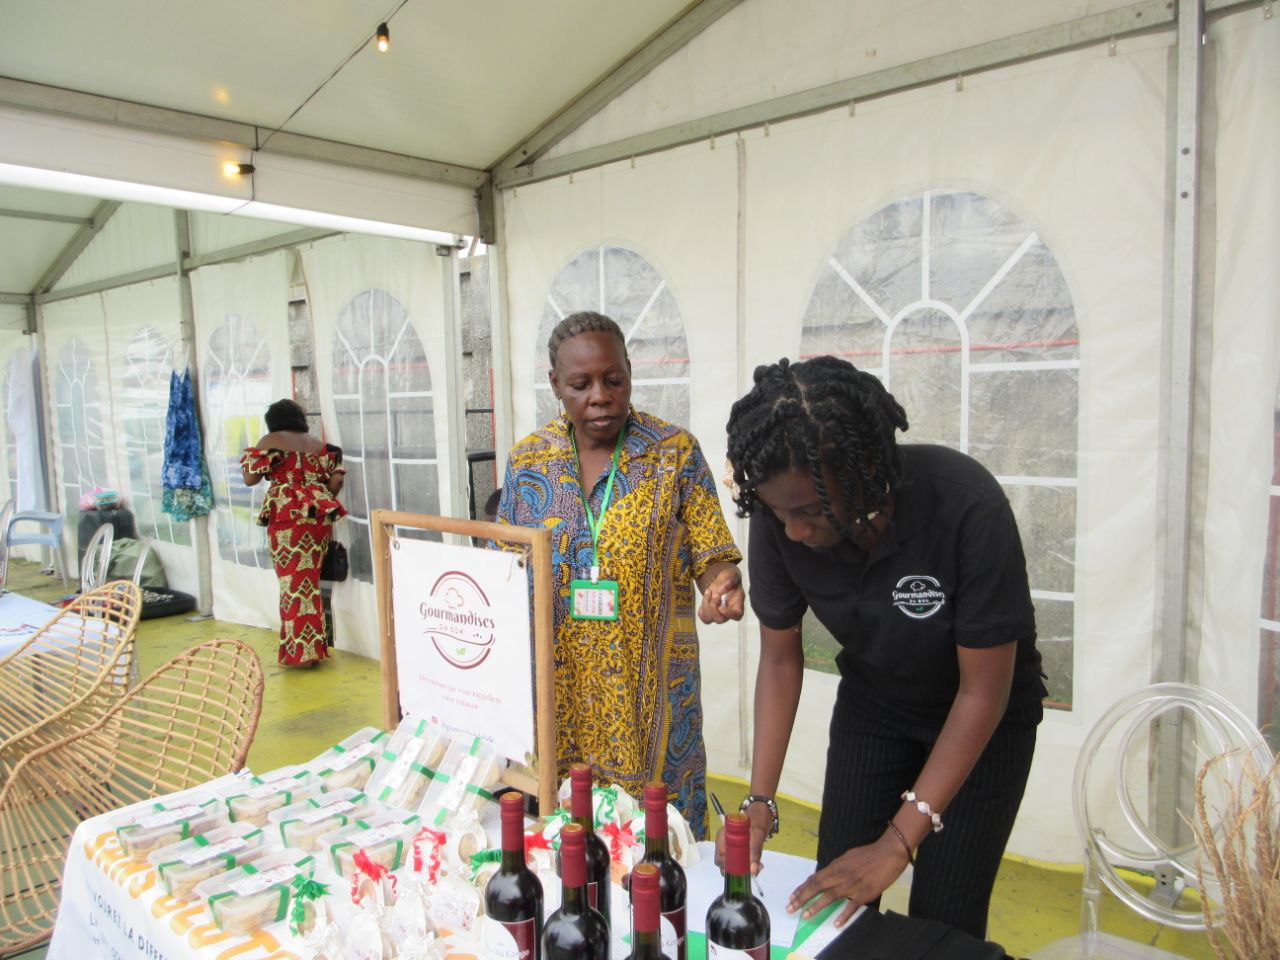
[(919, 596), (456, 618)]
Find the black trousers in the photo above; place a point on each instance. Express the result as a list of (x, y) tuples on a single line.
[(871, 761)]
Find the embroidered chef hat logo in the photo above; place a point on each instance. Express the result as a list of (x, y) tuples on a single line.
[(919, 597)]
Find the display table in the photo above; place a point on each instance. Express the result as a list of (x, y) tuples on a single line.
[(20, 617)]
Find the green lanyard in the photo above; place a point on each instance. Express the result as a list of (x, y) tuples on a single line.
[(594, 524)]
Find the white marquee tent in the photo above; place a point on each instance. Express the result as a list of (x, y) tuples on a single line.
[(1049, 226)]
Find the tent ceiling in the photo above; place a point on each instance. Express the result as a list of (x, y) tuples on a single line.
[(462, 84)]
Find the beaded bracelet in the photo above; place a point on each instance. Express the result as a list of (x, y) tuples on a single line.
[(934, 818), (911, 857)]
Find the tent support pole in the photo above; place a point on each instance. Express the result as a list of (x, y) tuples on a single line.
[(746, 692), (187, 320), (1175, 646), (500, 339), (459, 471)]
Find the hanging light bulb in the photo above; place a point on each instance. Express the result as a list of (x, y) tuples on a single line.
[(384, 38), (233, 169)]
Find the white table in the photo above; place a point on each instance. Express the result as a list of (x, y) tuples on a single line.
[(20, 617)]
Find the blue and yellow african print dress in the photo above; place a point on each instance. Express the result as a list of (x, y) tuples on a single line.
[(628, 691)]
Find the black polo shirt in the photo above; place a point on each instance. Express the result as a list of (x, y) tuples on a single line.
[(948, 571)]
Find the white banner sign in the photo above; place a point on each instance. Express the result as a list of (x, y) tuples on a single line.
[(463, 655)]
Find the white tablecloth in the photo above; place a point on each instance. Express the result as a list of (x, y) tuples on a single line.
[(20, 617)]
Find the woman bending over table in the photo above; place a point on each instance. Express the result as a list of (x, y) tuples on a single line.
[(910, 556)]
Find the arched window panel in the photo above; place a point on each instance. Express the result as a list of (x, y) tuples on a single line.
[(10, 446), (237, 389), (144, 397), (954, 301), (622, 284), (386, 417), (80, 416), (1269, 669)]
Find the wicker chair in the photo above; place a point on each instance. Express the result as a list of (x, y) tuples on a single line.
[(190, 721), (70, 672)]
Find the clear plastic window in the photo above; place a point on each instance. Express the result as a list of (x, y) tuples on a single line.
[(80, 418), (960, 308), (237, 391), (622, 284), (386, 417), (1269, 669)]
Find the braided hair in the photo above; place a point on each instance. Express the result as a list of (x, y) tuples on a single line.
[(818, 413), (585, 321)]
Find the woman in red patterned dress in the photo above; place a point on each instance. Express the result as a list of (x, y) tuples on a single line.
[(298, 511)]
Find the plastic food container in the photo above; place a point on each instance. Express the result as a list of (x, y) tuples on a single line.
[(300, 825), (255, 894), (469, 772), (271, 792), (408, 764), (351, 762), (164, 825), (186, 863), (384, 837)]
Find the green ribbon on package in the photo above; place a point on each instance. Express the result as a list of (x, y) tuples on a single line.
[(304, 889), (478, 860)]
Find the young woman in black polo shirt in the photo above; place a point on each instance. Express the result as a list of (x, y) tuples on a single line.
[(910, 556)]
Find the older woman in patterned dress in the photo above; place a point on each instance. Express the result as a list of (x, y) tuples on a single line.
[(628, 693), (299, 510)]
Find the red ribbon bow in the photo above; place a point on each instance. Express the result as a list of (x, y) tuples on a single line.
[(437, 839), (535, 841), (374, 871), (620, 837)]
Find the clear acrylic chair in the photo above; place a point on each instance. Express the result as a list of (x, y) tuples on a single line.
[(97, 558), (1134, 802)]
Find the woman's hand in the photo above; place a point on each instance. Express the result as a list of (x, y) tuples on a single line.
[(723, 598), (858, 875), (759, 831)]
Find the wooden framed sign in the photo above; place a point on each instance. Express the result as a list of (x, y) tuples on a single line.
[(455, 629)]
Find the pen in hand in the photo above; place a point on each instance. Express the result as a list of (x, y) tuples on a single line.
[(755, 882)]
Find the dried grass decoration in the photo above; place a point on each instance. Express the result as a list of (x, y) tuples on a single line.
[(1243, 856)]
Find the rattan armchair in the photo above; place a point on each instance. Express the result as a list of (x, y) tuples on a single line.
[(190, 721), (71, 671)]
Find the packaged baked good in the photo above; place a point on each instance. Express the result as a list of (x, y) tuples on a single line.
[(408, 763), (271, 791), (300, 825), (467, 775), (255, 894), (162, 825), (383, 837), (351, 762), (182, 865)]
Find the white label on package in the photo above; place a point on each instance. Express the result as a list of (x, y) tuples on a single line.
[(404, 762), (204, 854), (261, 881), (166, 817), (346, 759), (322, 813), (269, 790), (459, 782), (371, 838)]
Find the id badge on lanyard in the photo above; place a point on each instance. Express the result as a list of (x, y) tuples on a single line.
[(595, 599)]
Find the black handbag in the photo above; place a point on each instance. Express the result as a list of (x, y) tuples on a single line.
[(334, 567)]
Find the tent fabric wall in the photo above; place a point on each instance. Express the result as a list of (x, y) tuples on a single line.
[(147, 345), (13, 317), (377, 306), (33, 496), (211, 232), (242, 350), (1242, 290), (1075, 145), (136, 237), (75, 369)]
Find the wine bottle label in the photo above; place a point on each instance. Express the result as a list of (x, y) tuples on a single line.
[(509, 941), (673, 930), (717, 952)]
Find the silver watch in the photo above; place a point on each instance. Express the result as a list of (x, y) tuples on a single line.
[(768, 802)]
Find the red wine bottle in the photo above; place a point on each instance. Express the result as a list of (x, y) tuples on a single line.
[(646, 935), (670, 874), (576, 931), (513, 896), (598, 860), (737, 923)]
